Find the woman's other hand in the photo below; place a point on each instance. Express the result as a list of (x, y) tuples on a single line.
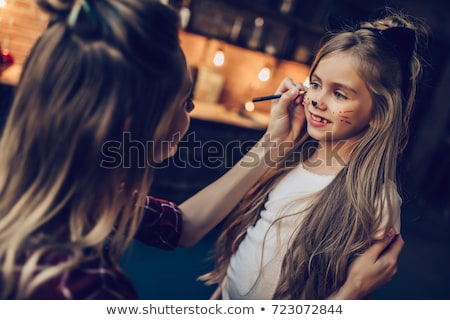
[(372, 269)]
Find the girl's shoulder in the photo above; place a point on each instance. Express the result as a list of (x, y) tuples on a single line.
[(388, 210), (390, 190)]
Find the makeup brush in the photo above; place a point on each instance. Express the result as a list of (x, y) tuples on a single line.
[(275, 96), (264, 98)]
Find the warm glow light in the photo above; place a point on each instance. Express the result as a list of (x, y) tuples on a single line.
[(219, 58), (306, 82), (249, 106), (264, 74), (259, 22), (2, 3)]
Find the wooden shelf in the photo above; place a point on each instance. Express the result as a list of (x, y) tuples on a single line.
[(203, 111), (219, 113)]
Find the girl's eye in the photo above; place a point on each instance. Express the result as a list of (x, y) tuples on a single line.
[(340, 95), (313, 85)]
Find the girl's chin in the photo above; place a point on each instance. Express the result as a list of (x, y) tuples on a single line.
[(317, 134)]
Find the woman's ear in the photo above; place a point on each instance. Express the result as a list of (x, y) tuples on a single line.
[(127, 124), (373, 119)]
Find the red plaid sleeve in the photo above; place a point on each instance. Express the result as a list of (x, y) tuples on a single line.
[(162, 225)]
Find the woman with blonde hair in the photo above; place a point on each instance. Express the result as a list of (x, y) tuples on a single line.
[(296, 233), (108, 71)]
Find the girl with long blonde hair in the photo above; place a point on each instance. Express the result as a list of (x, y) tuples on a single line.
[(105, 78), (335, 194)]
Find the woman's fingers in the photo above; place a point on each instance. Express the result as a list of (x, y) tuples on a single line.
[(285, 85), (377, 248), (287, 114), (389, 257)]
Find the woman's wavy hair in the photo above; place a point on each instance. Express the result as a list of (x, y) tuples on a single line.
[(98, 63), (341, 221)]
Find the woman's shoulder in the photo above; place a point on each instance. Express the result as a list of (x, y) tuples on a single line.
[(91, 280)]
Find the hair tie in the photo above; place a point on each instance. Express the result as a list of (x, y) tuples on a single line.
[(75, 12), (403, 39)]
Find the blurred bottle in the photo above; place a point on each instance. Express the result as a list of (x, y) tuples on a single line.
[(185, 13), (236, 28), (210, 80), (6, 58), (287, 6), (255, 39)]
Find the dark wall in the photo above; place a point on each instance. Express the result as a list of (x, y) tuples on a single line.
[(6, 96)]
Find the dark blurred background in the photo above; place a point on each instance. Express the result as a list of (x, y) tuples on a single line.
[(281, 35)]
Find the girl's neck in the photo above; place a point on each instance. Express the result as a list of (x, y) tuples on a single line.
[(329, 158)]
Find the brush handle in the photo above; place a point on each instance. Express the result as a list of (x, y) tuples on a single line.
[(275, 96), (264, 98)]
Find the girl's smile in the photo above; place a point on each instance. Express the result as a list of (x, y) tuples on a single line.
[(318, 121)]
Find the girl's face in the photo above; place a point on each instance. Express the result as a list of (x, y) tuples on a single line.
[(338, 104), (179, 121)]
